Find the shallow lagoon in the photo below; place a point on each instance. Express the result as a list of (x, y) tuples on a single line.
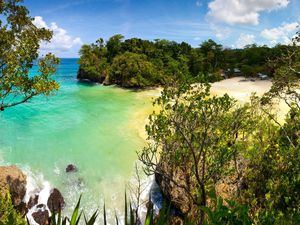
[(90, 126)]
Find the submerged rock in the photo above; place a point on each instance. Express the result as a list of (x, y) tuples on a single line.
[(56, 201), (71, 168), (13, 180)]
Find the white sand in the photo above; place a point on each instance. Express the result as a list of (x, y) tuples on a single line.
[(236, 87), (240, 89)]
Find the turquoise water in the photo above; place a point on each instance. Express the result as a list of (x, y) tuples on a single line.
[(86, 125)]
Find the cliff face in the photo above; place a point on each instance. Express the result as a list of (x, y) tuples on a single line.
[(93, 76), (176, 186), (179, 189), (13, 180)]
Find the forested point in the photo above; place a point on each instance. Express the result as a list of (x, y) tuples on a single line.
[(137, 63)]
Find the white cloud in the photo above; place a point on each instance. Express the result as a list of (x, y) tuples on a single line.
[(241, 11), (280, 34), (245, 39), (221, 32), (61, 40)]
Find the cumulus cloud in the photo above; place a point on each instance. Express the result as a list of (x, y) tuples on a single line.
[(241, 11), (245, 39), (281, 34), (61, 40)]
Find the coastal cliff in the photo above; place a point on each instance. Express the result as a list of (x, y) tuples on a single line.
[(13, 182)]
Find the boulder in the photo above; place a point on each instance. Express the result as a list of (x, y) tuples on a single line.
[(41, 216), (106, 81), (13, 180), (55, 201), (71, 168), (33, 201), (177, 186), (178, 196)]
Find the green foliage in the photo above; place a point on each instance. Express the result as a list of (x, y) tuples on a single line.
[(226, 213), (141, 63), (197, 134), (19, 44), (132, 70), (8, 215), (201, 137), (169, 62), (247, 71)]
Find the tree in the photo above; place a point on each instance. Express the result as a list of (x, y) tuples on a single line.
[(197, 136), (247, 71), (213, 55), (132, 70), (114, 46), (19, 44), (93, 62), (286, 82)]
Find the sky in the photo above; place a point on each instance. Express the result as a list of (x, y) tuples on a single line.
[(233, 23)]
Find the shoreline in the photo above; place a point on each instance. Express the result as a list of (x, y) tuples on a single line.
[(237, 87)]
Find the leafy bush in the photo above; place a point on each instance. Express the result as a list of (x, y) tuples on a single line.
[(8, 215)]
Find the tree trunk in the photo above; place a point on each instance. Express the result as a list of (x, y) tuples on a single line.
[(202, 203)]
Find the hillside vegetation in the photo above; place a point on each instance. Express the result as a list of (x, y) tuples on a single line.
[(141, 63)]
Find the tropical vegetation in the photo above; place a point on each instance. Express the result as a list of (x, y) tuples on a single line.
[(19, 44), (198, 143), (137, 63)]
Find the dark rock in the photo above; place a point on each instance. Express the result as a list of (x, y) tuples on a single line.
[(40, 206), (71, 168), (55, 201), (41, 217), (13, 180), (33, 201)]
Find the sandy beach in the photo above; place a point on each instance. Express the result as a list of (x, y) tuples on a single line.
[(240, 89), (236, 87)]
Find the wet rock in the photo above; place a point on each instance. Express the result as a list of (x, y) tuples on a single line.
[(40, 206), (41, 217), (13, 180), (71, 168), (55, 201), (33, 201)]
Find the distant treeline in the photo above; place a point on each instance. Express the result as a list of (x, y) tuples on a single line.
[(141, 63)]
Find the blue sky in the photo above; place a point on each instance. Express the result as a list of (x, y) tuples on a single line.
[(233, 23)]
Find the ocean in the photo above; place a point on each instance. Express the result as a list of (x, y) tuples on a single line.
[(88, 125)]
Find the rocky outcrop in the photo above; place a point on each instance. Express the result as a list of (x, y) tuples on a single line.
[(41, 216), (13, 180), (174, 185), (71, 168), (33, 201), (83, 75), (55, 201)]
